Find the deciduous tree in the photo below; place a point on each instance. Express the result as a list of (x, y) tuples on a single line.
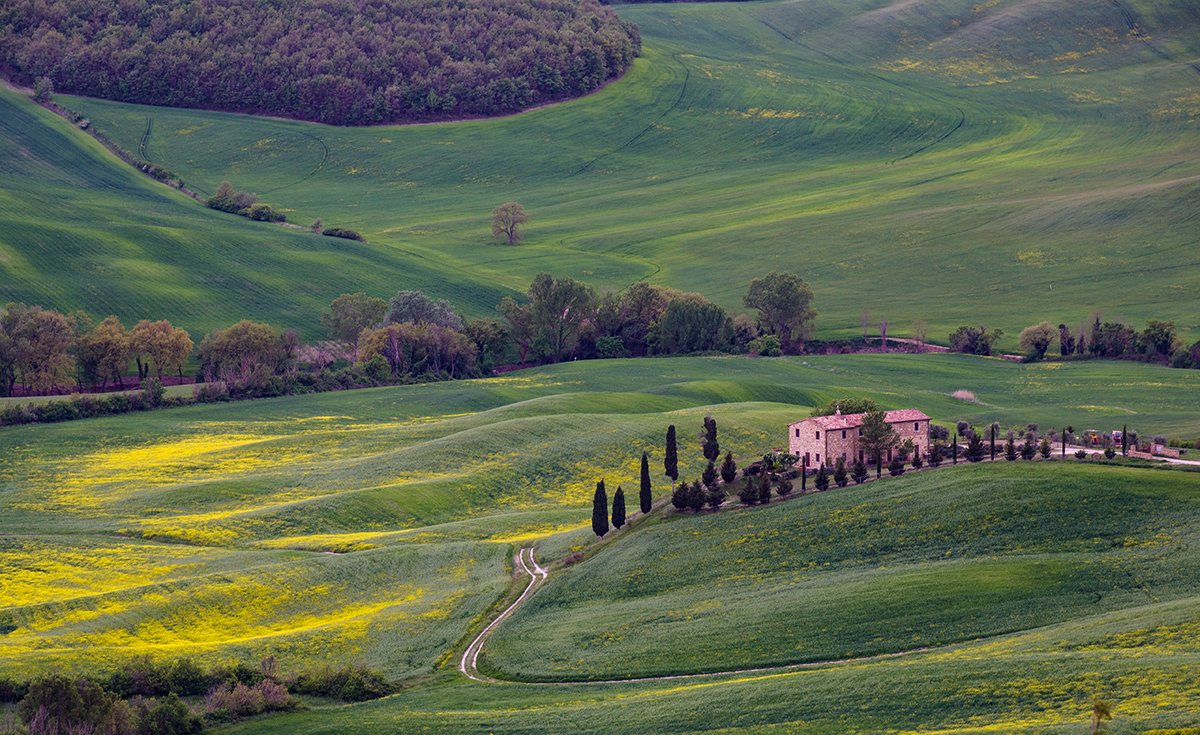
[(878, 437), (507, 220), (416, 307), (349, 315), (784, 303), (1036, 339)]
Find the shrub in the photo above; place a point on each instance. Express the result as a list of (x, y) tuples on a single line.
[(1109, 452), (896, 466), (1080, 454), (767, 345), (264, 213), (821, 481), (343, 232), (860, 472), (964, 395), (916, 461)]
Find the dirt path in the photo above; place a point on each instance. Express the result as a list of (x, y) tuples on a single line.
[(525, 562)]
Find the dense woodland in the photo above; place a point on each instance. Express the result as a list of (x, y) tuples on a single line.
[(341, 63)]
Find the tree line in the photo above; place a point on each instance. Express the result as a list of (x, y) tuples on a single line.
[(387, 61), (410, 338), (1159, 342), (563, 319)]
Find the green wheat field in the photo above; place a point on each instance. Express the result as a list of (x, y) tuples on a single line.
[(964, 163)]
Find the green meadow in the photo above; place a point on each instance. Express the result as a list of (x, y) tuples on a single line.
[(996, 162), (378, 526)]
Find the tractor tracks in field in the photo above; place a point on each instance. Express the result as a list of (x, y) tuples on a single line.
[(143, 153), (962, 115), (526, 564), (687, 73)]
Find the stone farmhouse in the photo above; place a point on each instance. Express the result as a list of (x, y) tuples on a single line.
[(822, 439)]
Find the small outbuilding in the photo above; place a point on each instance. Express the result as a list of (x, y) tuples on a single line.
[(821, 440)]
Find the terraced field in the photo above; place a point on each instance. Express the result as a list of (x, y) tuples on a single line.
[(1002, 162)]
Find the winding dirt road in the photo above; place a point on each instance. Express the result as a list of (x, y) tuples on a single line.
[(527, 564)]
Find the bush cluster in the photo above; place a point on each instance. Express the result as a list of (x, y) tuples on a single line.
[(144, 696)]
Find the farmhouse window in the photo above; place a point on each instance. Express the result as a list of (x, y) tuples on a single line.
[(818, 435), (860, 455), (797, 433), (860, 431), (917, 426), (843, 433), (818, 458), (806, 462), (843, 456)]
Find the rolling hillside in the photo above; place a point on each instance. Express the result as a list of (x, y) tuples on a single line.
[(958, 163), (376, 526)]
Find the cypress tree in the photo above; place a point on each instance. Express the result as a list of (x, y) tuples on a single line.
[(644, 496), (1010, 450), (618, 516), (954, 444), (671, 459), (839, 473), (935, 455), (860, 472), (697, 496), (711, 448), (1125, 440), (1066, 432), (993, 428), (600, 510), (821, 481), (803, 474), (764, 488), (729, 469), (709, 476)]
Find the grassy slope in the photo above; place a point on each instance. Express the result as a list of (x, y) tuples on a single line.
[(451, 473), (1094, 564), (923, 561), (980, 151), (80, 230)]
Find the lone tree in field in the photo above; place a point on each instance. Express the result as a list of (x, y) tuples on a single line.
[(644, 496), (618, 516), (784, 303), (878, 436), (600, 510), (506, 219), (671, 459), (711, 448)]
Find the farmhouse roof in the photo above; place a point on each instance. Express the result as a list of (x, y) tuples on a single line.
[(854, 420)]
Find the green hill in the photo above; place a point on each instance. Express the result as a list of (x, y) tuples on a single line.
[(376, 526), (80, 230), (1028, 161)]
